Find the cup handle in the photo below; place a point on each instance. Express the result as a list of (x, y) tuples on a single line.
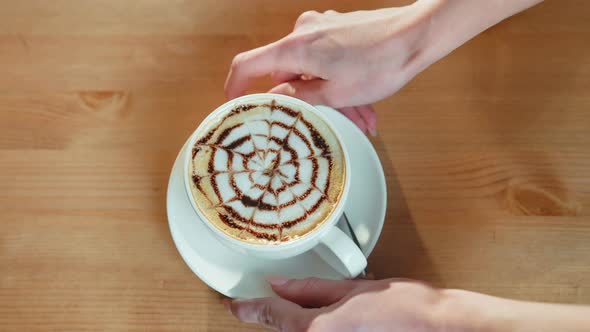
[(340, 252)]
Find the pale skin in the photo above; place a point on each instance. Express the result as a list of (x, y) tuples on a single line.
[(349, 61), (317, 305)]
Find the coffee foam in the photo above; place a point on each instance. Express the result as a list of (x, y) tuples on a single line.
[(266, 172)]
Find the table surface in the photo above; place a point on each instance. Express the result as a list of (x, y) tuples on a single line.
[(486, 154)]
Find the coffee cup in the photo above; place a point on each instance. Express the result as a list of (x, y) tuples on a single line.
[(325, 239)]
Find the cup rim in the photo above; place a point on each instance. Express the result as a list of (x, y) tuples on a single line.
[(319, 231)]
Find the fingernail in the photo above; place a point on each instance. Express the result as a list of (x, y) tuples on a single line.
[(276, 281), (227, 305), (373, 132)]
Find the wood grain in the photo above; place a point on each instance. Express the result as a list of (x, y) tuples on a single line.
[(486, 154)]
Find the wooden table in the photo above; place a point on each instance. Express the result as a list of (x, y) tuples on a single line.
[(487, 158)]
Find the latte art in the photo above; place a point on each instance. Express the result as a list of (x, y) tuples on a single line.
[(267, 172)]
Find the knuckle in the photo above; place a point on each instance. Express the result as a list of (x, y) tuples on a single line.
[(310, 14), (307, 16)]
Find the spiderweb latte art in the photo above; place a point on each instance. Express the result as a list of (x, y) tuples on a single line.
[(267, 172)]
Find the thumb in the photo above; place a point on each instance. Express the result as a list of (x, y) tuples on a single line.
[(314, 292), (275, 313), (315, 92)]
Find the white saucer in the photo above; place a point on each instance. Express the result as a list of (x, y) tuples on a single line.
[(239, 276)]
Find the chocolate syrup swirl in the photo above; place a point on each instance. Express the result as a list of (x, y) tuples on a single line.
[(274, 168)]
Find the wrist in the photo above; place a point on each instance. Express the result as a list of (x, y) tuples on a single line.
[(415, 37), (464, 311), (453, 23)]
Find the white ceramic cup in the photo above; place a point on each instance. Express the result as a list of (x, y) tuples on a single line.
[(327, 240)]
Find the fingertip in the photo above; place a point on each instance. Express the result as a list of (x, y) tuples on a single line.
[(355, 117), (229, 85), (367, 113), (227, 305), (234, 88), (269, 311), (244, 310)]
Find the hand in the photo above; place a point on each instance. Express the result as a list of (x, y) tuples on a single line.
[(399, 305), (347, 305), (343, 60), (347, 60)]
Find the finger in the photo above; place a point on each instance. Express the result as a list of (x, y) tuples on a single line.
[(313, 292), (256, 63), (272, 312), (353, 114), (367, 112), (284, 76), (315, 91), (331, 12)]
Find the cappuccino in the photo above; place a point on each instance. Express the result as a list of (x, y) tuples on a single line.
[(267, 172)]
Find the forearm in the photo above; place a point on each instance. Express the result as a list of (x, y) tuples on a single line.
[(541, 317), (454, 22), (473, 312)]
